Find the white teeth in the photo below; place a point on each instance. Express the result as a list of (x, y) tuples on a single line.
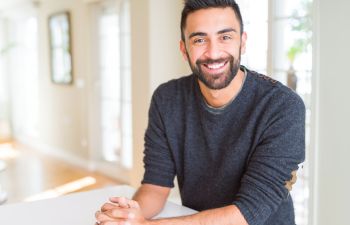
[(216, 65)]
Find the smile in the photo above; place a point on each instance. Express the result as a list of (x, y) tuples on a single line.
[(215, 66)]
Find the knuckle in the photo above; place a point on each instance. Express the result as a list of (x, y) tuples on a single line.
[(119, 213), (104, 206)]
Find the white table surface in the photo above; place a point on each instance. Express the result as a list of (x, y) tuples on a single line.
[(73, 209)]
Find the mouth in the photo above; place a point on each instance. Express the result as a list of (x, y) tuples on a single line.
[(216, 67)]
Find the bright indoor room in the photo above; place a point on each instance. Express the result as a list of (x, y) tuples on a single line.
[(77, 79)]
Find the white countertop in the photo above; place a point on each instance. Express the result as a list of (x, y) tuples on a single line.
[(73, 209)]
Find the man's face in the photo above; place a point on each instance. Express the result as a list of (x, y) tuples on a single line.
[(213, 46)]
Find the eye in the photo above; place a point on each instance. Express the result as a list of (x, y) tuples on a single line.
[(226, 37), (199, 41)]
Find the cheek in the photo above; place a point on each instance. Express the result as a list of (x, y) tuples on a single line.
[(193, 56), (196, 52), (243, 50), (235, 52)]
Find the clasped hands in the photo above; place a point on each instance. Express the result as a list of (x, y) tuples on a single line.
[(120, 211)]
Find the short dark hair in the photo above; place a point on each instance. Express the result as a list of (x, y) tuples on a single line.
[(194, 5)]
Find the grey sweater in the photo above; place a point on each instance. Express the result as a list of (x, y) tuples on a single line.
[(242, 154)]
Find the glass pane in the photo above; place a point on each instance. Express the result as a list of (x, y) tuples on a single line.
[(292, 51), (255, 17), (126, 85), (115, 79), (253, 11), (256, 52), (126, 153), (110, 85), (286, 8), (23, 85)]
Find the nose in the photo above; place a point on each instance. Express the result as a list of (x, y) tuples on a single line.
[(213, 50)]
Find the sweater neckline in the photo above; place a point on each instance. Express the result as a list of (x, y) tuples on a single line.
[(229, 105)]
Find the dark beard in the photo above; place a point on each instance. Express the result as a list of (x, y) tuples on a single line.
[(209, 80)]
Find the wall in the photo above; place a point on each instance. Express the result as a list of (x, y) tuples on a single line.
[(62, 109), (64, 117), (167, 62), (332, 35), (63, 125), (156, 58)]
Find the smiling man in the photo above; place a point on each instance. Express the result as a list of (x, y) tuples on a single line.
[(233, 137)]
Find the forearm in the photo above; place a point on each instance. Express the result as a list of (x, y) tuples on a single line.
[(151, 199), (229, 215)]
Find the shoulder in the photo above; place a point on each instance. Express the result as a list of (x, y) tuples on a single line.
[(173, 89), (171, 98), (278, 96), (262, 81)]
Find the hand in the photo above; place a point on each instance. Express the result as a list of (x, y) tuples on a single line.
[(124, 202), (120, 211)]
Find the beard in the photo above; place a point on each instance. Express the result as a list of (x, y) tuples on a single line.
[(220, 80)]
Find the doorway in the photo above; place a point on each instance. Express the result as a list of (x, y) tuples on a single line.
[(111, 135)]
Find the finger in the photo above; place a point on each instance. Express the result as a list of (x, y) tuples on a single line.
[(134, 204), (109, 206), (116, 222), (125, 203), (110, 223), (122, 201), (120, 214), (102, 217)]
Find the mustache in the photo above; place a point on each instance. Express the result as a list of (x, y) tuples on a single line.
[(211, 61)]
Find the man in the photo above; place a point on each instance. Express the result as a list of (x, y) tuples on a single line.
[(234, 138)]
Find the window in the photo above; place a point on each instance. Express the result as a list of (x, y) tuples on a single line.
[(255, 18), (21, 81), (279, 34), (4, 92), (113, 74)]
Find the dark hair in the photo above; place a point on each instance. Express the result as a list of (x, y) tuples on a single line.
[(194, 5)]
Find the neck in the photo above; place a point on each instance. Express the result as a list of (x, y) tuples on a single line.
[(220, 98)]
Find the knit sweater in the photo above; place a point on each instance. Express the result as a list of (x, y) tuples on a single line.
[(242, 154)]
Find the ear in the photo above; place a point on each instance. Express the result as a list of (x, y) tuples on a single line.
[(183, 50), (243, 42)]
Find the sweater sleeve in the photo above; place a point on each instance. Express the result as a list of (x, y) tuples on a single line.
[(280, 149), (158, 161)]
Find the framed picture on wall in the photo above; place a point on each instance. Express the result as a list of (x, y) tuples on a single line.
[(60, 48)]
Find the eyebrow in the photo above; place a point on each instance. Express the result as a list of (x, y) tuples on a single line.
[(202, 34), (228, 30)]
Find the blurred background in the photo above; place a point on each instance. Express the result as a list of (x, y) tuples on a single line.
[(76, 78)]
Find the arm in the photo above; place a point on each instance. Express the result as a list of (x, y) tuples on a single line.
[(229, 215), (129, 212), (270, 171), (151, 199)]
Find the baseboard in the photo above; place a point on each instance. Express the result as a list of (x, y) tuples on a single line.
[(118, 173), (58, 153), (115, 172)]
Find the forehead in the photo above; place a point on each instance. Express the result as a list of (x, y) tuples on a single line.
[(212, 20)]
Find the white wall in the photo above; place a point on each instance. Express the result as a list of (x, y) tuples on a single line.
[(332, 35), (156, 58), (141, 81), (63, 125), (62, 109), (167, 62)]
